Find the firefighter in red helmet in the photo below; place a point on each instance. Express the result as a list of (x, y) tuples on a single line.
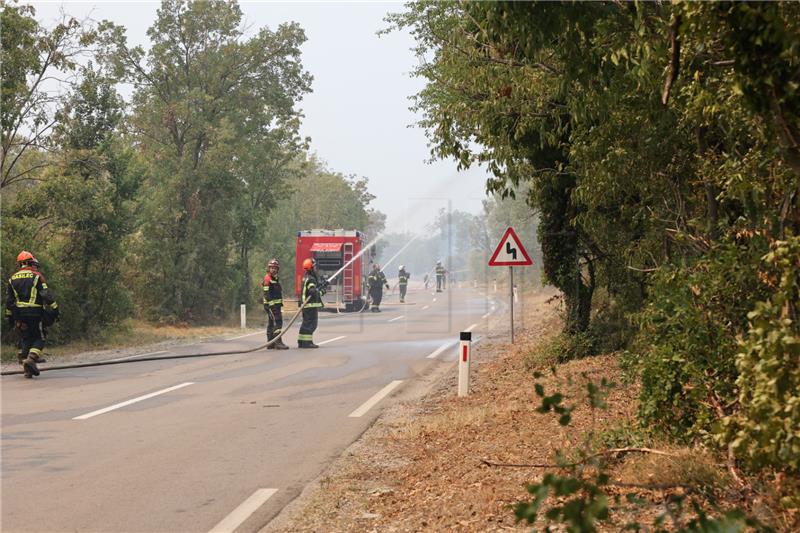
[(311, 294), (273, 305), (30, 306)]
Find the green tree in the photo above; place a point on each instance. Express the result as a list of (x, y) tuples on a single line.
[(206, 100), (81, 213), (30, 55)]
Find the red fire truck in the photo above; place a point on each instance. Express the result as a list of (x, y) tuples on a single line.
[(332, 249)]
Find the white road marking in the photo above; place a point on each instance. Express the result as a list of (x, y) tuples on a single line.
[(434, 299), (380, 395), (486, 315), (243, 512), (396, 318), (247, 335), (331, 340), (440, 349), (137, 355), (473, 326), (132, 401), (425, 307)]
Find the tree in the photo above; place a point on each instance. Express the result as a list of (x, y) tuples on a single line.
[(206, 98), (81, 213), (32, 59)]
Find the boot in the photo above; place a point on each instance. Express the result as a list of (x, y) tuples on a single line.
[(30, 367), (280, 345)]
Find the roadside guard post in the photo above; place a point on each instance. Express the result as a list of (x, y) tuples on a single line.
[(464, 357), (243, 315), (510, 253)]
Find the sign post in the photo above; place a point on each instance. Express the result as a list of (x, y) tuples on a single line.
[(510, 253)]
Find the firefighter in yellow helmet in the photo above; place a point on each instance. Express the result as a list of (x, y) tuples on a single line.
[(273, 305), (311, 293), (30, 306)]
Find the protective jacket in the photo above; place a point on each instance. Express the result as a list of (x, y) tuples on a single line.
[(376, 280), (440, 270), (27, 296), (273, 294), (403, 277), (311, 290)]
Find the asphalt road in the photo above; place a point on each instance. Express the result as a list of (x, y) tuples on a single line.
[(213, 444)]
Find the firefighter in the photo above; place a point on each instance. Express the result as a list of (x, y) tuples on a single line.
[(30, 306), (273, 304), (376, 282), (312, 290), (402, 277), (440, 272)]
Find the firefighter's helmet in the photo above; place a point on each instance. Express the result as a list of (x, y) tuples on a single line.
[(26, 257), (402, 267), (273, 263), (308, 264)]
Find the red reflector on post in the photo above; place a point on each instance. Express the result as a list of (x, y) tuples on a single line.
[(464, 353)]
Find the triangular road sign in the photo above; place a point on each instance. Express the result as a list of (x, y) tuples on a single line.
[(510, 251)]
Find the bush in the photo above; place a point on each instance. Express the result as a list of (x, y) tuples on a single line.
[(766, 429), (686, 347)]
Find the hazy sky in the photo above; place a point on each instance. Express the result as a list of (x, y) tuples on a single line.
[(357, 115)]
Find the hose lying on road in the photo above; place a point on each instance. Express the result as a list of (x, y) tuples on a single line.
[(167, 357)]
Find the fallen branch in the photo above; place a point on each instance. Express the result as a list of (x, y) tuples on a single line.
[(612, 451)]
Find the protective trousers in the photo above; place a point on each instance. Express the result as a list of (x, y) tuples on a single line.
[(308, 325), (31, 342), (377, 295), (439, 282), (274, 321), (403, 287)]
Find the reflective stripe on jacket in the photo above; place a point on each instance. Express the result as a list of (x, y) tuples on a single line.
[(310, 289)]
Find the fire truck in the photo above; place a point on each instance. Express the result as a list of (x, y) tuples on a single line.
[(332, 250)]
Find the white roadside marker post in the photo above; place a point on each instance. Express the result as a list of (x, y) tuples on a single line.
[(463, 363), (243, 315)]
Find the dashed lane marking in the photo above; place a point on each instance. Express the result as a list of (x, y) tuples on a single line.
[(425, 307), (473, 326), (486, 315), (331, 340), (137, 355), (440, 349), (380, 395), (395, 318), (243, 512), (246, 335), (132, 401)]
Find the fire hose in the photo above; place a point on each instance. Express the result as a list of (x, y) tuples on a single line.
[(208, 354), (168, 357)]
